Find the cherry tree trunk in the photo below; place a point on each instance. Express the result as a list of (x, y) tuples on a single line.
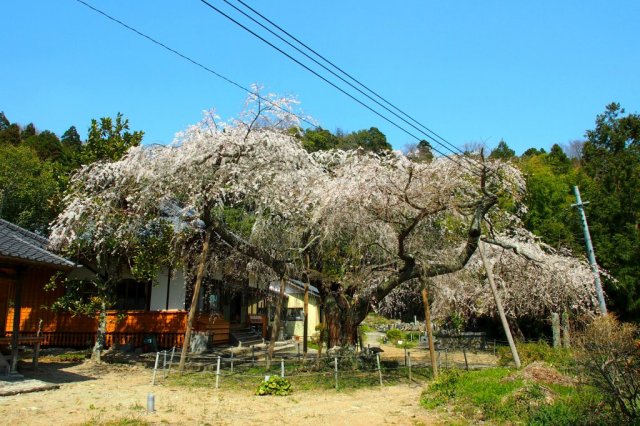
[(342, 323), (96, 354)]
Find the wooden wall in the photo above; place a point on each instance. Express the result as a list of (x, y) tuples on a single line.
[(66, 330)]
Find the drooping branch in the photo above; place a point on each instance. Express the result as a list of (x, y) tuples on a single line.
[(279, 266), (411, 270), (514, 248)]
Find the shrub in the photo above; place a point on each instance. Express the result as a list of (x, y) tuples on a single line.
[(276, 385), (395, 334), (609, 357), (536, 351)]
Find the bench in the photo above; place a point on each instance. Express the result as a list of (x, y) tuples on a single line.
[(22, 340)]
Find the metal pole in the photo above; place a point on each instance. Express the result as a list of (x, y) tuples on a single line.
[(218, 373), (409, 359), (173, 352), (282, 367), (590, 253), (155, 369), (231, 362), (335, 367), (164, 365)]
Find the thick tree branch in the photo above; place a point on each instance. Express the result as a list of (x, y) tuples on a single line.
[(514, 248)]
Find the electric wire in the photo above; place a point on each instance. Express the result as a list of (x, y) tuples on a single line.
[(349, 75), (393, 123), (204, 67), (359, 90)]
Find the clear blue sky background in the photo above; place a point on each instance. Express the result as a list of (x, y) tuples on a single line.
[(533, 73)]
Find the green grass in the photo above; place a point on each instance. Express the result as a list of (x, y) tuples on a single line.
[(494, 395), (560, 358), (303, 378)]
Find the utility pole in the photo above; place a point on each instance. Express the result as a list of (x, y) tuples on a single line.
[(590, 253)]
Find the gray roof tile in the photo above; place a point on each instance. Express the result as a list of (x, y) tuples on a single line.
[(20, 244)]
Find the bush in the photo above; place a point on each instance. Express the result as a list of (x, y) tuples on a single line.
[(609, 357), (537, 351), (395, 334), (276, 385)]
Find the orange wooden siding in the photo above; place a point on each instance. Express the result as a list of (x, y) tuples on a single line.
[(64, 329)]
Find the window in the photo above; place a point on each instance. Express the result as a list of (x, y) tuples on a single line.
[(132, 295), (295, 314)]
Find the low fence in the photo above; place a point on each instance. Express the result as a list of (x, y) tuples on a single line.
[(332, 370), (71, 339)]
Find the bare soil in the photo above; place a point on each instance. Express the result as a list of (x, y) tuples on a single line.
[(111, 393), (117, 394)]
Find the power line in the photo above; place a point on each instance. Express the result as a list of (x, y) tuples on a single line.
[(328, 81), (342, 78), (345, 73), (204, 67)]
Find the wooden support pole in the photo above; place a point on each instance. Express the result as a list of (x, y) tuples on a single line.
[(555, 329), (427, 316), (305, 333), (496, 297), (275, 327), (17, 309), (566, 333)]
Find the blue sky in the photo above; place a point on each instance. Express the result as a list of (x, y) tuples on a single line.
[(531, 73)]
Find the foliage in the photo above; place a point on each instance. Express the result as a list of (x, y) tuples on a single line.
[(395, 334), (494, 395), (320, 139), (536, 351), (549, 198), (611, 159), (27, 188), (610, 358), (109, 140), (502, 152), (276, 385)]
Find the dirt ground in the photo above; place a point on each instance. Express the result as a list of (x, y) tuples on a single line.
[(96, 394)]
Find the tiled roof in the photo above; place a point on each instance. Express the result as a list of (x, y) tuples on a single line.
[(22, 245)]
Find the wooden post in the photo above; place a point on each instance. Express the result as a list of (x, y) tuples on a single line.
[(466, 363), (555, 328), (496, 297), (409, 359), (305, 333), (379, 369), (427, 316), (335, 366), (566, 334), (275, 328), (194, 300), (17, 308)]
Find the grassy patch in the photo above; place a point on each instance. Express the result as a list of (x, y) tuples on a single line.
[(560, 358), (498, 395), (304, 377)]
